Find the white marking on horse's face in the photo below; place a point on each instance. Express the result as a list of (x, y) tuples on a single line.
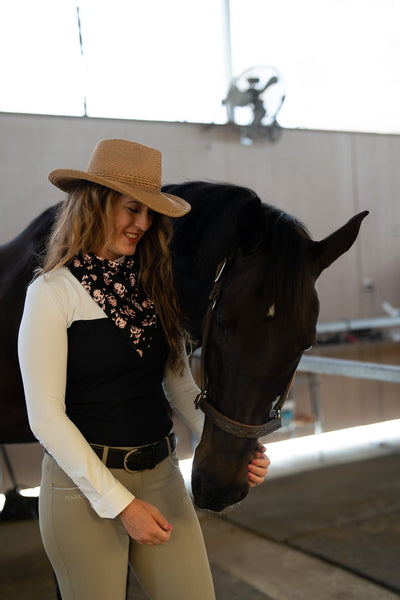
[(271, 311)]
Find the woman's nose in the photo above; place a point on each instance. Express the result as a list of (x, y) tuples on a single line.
[(144, 220)]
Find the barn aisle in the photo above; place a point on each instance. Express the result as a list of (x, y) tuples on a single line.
[(255, 550), (245, 566)]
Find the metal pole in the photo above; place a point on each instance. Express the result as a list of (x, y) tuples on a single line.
[(314, 387), (78, 15), (226, 17), (9, 466)]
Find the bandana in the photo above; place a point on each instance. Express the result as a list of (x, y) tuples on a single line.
[(114, 286)]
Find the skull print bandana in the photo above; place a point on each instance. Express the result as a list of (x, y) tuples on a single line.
[(114, 286)]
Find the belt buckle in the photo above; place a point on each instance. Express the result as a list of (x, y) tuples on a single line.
[(126, 457)]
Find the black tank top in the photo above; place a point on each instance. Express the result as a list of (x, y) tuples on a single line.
[(113, 395)]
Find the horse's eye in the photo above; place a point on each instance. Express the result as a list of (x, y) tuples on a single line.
[(308, 348), (219, 322)]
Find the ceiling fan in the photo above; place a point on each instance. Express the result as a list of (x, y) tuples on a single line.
[(253, 102)]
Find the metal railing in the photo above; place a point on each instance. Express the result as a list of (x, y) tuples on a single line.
[(324, 365), (315, 366), (357, 324), (393, 320)]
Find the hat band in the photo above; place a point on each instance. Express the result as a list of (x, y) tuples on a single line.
[(135, 180)]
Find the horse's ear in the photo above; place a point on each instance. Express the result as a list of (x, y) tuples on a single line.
[(329, 249), (250, 225)]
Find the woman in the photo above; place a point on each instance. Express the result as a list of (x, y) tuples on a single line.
[(99, 343)]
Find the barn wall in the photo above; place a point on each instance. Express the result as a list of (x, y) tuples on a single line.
[(323, 178)]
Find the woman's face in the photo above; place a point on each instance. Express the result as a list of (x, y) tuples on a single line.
[(132, 220)]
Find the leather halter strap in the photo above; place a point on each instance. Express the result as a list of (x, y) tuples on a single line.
[(236, 428)]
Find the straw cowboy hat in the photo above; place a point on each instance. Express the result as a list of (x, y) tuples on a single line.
[(129, 168)]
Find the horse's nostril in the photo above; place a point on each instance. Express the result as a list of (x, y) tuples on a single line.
[(212, 494)]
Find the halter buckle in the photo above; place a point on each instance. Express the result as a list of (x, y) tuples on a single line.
[(220, 270), (199, 399)]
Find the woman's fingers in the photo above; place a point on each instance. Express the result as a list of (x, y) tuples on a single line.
[(145, 524), (258, 469)]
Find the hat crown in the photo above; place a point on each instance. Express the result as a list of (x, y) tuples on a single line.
[(127, 162), (128, 168)]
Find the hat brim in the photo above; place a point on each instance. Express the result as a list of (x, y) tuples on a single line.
[(166, 204)]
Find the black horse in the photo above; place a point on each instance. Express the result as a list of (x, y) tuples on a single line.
[(264, 319), (18, 260)]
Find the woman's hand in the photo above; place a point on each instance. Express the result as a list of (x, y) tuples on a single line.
[(145, 524), (258, 467)]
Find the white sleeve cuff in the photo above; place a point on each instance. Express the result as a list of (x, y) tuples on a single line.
[(111, 504)]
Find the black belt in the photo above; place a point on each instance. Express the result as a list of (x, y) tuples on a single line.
[(136, 459)]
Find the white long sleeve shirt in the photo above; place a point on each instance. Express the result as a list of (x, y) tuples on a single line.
[(52, 305)]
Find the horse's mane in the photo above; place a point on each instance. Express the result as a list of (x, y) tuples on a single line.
[(224, 217), (208, 232)]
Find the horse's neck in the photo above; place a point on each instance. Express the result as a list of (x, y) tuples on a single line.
[(194, 278), (193, 282), (201, 241)]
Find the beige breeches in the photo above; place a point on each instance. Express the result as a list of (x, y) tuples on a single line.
[(90, 555)]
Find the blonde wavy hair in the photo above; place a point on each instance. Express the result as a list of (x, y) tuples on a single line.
[(83, 225)]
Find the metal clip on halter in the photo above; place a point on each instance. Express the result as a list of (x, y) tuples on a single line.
[(216, 290), (199, 399), (220, 270)]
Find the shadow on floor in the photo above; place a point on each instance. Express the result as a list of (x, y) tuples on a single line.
[(347, 514)]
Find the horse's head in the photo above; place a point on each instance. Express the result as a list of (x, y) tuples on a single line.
[(264, 319)]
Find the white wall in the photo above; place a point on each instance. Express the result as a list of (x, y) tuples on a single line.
[(323, 178)]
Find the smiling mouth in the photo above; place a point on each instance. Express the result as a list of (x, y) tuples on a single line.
[(133, 237)]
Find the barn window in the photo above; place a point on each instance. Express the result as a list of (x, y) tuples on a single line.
[(172, 60)]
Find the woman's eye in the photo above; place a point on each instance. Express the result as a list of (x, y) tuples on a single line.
[(136, 211)]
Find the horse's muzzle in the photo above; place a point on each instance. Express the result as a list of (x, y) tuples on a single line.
[(211, 494)]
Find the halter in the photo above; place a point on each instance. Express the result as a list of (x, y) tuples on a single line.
[(236, 428)]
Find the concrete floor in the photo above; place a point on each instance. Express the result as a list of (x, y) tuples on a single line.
[(283, 573), (279, 572), (245, 566)]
